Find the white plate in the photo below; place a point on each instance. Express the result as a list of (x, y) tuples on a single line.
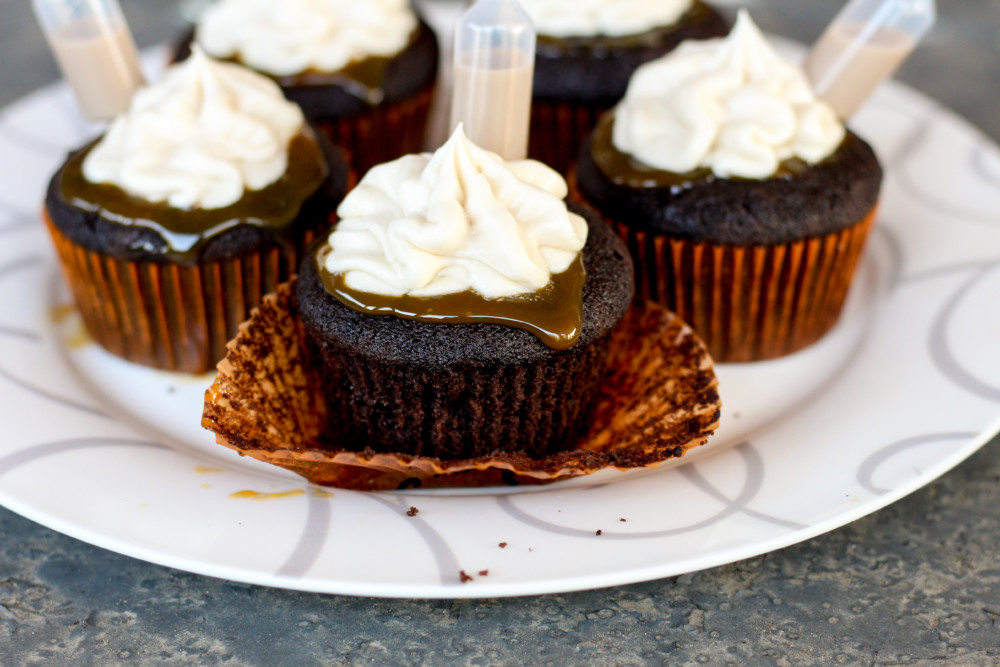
[(906, 387)]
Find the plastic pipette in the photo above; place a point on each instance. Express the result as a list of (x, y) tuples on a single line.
[(494, 65), (863, 46), (95, 51)]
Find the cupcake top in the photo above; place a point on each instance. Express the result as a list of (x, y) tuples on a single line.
[(730, 105), (295, 36), (200, 138), (455, 221), (207, 163), (461, 237), (612, 18)]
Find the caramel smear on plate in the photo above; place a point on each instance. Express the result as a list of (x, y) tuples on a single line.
[(254, 495)]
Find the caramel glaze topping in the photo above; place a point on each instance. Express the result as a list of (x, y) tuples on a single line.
[(553, 314), (363, 79), (185, 230), (698, 13), (626, 171)]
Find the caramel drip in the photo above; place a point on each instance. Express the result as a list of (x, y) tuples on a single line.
[(553, 314), (185, 230), (626, 171), (650, 39), (363, 79)]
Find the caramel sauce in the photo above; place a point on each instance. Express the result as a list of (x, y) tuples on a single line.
[(254, 495), (78, 338), (184, 230), (62, 312), (74, 334), (651, 39), (553, 314), (624, 170), (363, 79)]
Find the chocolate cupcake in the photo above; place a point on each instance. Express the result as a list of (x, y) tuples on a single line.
[(742, 198), (364, 72), (459, 309), (197, 201), (585, 55)]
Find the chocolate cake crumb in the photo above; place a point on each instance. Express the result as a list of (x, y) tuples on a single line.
[(483, 573), (622, 520), (598, 532), (463, 577), (502, 545), (412, 511)]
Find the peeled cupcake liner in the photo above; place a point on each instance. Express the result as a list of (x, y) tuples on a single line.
[(558, 130), (173, 317), (659, 399), (383, 133), (748, 303)]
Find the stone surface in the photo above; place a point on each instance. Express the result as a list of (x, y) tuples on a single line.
[(918, 582)]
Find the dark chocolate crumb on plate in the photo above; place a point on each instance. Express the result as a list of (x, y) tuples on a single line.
[(622, 520), (413, 511), (463, 577), (502, 545), (598, 532), (483, 573)]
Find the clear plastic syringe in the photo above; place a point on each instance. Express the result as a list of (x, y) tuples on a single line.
[(95, 51), (863, 46), (494, 64)]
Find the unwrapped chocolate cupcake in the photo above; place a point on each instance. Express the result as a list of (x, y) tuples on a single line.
[(459, 308), (462, 326), (197, 202), (586, 52), (743, 200), (364, 71)]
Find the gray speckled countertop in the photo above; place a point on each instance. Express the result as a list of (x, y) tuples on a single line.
[(914, 583)]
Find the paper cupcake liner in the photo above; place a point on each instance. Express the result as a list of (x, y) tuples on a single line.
[(385, 132), (749, 303), (658, 399), (170, 316), (558, 130)]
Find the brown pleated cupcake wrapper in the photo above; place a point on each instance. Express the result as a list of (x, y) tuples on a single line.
[(749, 303), (558, 130), (658, 400), (383, 133), (169, 316)]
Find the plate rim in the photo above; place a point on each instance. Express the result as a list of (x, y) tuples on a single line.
[(938, 114)]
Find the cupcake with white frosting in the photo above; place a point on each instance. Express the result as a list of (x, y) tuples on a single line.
[(363, 71), (743, 199), (460, 309), (585, 54), (197, 201)]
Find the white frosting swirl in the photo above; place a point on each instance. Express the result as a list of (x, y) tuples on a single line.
[(199, 138), (732, 105), (456, 220), (614, 18), (294, 36)]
